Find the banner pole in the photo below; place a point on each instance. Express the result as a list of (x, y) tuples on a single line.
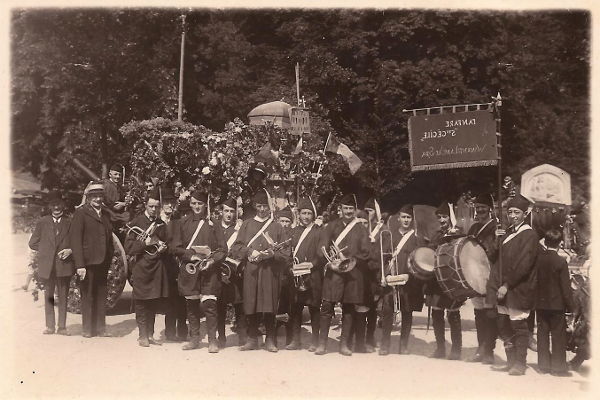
[(320, 165), (497, 105)]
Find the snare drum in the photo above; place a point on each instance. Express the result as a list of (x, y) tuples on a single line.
[(421, 263), (462, 268)]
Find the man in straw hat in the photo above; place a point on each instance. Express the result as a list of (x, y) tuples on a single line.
[(91, 242), (513, 287), (350, 239), (263, 250)]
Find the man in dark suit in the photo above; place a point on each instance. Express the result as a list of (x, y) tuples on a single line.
[(91, 242), (55, 267), (554, 297)]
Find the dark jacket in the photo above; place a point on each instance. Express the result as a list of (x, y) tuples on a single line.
[(553, 282), (518, 271), (308, 252), (149, 273), (48, 241), (91, 237)]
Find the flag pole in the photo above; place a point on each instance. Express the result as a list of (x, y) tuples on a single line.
[(180, 94), (497, 104), (320, 164), (298, 83)]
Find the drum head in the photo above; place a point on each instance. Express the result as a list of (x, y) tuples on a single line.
[(475, 265), (424, 257)]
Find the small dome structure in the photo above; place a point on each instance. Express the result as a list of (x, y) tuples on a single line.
[(276, 112)]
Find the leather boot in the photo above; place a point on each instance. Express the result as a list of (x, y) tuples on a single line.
[(439, 330), (371, 326), (251, 344), (455, 335), (314, 324), (140, 318), (271, 333), (481, 334), (509, 348), (491, 334), (252, 340), (324, 323), (387, 322), (295, 322), (242, 324), (521, 346), (405, 328), (346, 329), (360, 325), (209, 307)]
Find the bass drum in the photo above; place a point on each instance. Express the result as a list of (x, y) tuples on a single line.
[(462, 268), (421, 262), (117, 277)]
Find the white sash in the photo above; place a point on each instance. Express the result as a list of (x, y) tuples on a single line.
[(195, 234), (375, 231), (402, 242), (302, 237), (522, 228), (345, 232), (260, 231), (232, 239)]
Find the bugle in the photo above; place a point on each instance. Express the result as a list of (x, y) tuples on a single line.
[(336, 260)]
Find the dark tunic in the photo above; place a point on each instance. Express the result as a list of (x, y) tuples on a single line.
[(149, 273), (308, 252), (262, 283), (553, 282), (230, 292), (206, 282), (348, 287), (171, 263), (411, 293), (518, 271)]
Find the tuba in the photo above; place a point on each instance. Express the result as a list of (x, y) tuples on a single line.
[(336, 260)]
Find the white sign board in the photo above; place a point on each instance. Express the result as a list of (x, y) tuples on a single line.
[(547, 183)]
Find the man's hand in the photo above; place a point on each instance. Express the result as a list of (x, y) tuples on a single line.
[(195, 258), (502, 292), (119, 205), (64, 254), (253, 257), (500, 232), (81, 273)]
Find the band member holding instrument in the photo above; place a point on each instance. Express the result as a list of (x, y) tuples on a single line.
[(231, 291), (438, 300), (513, 288), (285, 218), (149, 276), (307, 274), (176, 329), (91, 242), (483, 230), (263, 248), (114, 196), (199, 278), (55, 264), (346, 243), (410, 295)]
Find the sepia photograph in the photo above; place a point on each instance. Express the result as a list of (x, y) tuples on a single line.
[(303, 200)]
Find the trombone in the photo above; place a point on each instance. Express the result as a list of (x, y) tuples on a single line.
[(393, 279)]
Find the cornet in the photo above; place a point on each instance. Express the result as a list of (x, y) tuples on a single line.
[(336, 259), (142, 235)]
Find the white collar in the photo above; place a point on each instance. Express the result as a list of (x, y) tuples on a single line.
[(224, 226), (149, 218), (308, 226), (258, 219)]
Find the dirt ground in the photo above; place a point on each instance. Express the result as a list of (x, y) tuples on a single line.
[(52, 366)]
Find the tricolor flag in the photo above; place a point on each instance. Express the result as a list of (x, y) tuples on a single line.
[(334, 146), (267, 155), (298, 148)]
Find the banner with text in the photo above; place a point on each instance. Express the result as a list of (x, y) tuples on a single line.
[(453, 140)]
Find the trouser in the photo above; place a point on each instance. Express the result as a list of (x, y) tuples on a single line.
[(531, 322), (552, 324), (253, 321), (439, 328), (240, 319), (145, 314), (93, 299), (326, 314), (175, 318), (296, 321), (515, 335), (387, 322), (487, 331), (62, 287), (371, 324), (195, 308)]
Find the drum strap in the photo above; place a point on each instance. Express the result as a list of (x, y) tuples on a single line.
[(302, 237), (260, 231), (403, 242), (483, 227), (195, 235), (345, 232), (522, 228)]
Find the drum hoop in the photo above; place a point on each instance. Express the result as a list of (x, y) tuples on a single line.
[(458, 244)]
